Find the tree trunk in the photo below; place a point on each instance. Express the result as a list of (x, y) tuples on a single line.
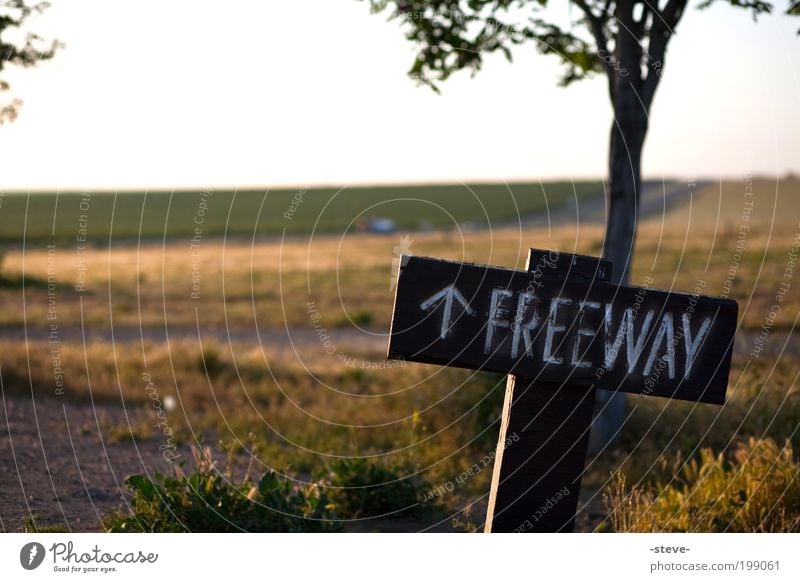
[(628, 132), (627, 139)]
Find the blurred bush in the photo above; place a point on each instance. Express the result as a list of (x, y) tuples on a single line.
[(360, 488)]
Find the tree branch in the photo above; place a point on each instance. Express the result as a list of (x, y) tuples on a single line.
[(597, 27), (22, 53), (669, 16), (662, 28)]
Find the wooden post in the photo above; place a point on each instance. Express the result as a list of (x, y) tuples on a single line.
[(544, 434)]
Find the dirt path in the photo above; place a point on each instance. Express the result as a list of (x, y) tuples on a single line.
[(300, 336), (59, 467), (655, 200)]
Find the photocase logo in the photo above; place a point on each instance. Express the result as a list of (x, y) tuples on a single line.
[(404, 248), (31, 555)]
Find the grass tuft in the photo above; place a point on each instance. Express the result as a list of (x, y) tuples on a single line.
[(756, 490)]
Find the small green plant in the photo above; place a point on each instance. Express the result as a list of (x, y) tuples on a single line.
[(208, 500), (30, 526), (360, 488), (758, 490), (211, 362), (362, 318), (133, 432)]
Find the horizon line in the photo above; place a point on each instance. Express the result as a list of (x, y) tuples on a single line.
[(372, 184)]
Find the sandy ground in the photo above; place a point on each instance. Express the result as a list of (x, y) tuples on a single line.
[(300, 336), (57, 466)]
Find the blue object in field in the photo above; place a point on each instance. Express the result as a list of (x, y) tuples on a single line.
[(382, 225)]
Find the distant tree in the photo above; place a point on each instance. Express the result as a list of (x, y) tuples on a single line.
[(23, 49), (625, 40)]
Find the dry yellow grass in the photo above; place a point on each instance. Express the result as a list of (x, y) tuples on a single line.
[(757, 490), (348, 278)]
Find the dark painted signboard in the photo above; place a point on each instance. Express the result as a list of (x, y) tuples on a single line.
[(576, 329)]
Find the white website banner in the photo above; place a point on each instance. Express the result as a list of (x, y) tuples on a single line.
[(401, 557)]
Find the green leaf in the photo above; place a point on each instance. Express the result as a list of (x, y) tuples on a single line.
[(143, 487)]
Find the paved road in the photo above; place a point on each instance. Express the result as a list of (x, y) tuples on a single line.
[(656, 199), (350, 336)]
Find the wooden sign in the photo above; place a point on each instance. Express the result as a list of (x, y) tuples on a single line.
[(572, 327), (561, 331)]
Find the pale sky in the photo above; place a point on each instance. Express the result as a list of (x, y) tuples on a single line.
[(196, 93)]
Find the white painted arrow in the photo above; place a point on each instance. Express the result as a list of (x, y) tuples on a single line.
[(448, 294)]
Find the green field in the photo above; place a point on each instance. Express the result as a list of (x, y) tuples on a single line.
[(129, 215)]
